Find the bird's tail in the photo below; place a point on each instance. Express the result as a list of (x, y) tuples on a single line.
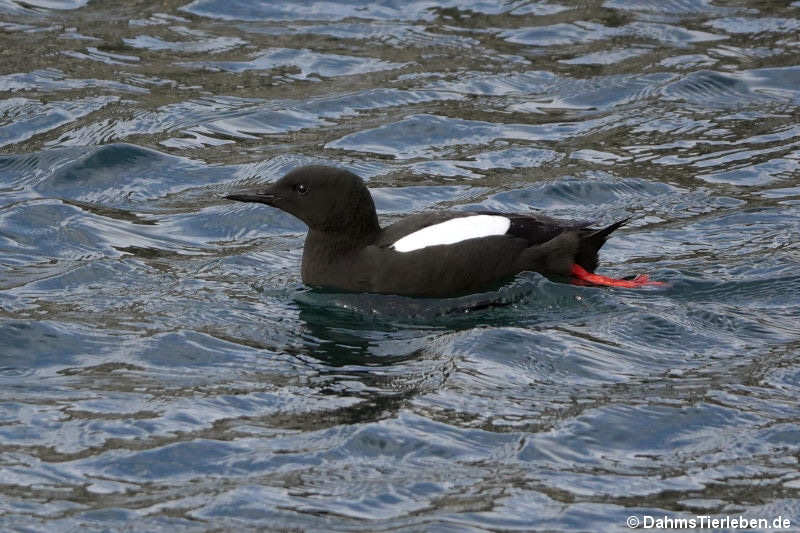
[(590, 243)]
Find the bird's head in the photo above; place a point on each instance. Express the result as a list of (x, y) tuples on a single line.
[(325, 198)]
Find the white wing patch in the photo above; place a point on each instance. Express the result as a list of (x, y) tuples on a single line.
[(453, 231)]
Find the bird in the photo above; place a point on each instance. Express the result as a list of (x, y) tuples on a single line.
[(436, 254)]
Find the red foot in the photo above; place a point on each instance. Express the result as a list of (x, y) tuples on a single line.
[(584, 276)]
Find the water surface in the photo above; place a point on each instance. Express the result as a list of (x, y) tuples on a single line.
[(161, 362)]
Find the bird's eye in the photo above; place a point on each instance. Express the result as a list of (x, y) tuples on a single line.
[(301, 188)]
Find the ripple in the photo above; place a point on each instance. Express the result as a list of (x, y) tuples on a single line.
[(94, 54), (227, 120), (158, 19), (703, 429), (27, 118), (530, 82), (212, 44), (606, 58), (122, 175), (508, 159), (584, 31), (721, 89), (392, 34), (308, 63), (757, 174), (422, 135), (46, 345), (677, 7), (383, 10), (596, 94), (57, 4), (688, 61), (54, 80), (560, 34), (755, 25)]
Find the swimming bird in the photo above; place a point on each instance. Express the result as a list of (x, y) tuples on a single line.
[(435, 254)]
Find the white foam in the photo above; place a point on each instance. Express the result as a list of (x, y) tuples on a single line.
[(453, 231)]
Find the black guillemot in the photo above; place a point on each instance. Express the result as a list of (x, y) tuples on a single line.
[(436, 254)]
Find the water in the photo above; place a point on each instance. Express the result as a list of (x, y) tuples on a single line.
[(162, 367)]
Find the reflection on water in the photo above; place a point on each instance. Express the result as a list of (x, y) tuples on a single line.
[(160, 360)]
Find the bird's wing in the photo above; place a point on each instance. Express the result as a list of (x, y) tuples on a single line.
[(535, 229)]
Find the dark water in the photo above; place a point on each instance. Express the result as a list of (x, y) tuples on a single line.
[(163, 369)]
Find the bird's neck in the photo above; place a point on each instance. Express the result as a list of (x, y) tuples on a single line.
[(332, 251), (331, 258), (357, 226), (339, 242), (347, 237)]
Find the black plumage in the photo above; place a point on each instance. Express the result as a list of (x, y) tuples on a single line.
[(346, 249)]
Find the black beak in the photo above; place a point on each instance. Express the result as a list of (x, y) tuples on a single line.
[(262, 196)]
